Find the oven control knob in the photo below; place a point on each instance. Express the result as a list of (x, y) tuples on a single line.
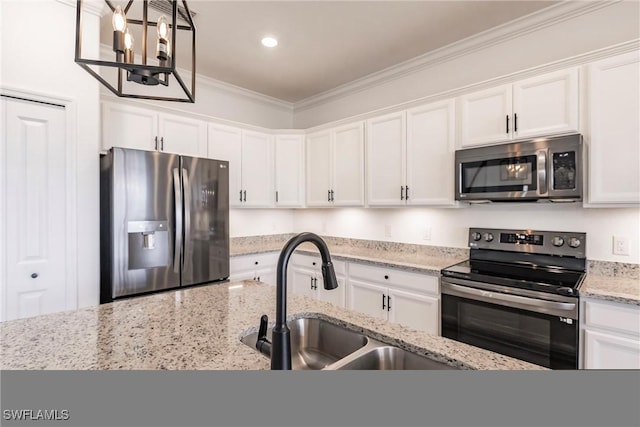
[(476, 236), (557, 241), (574, 242), (488, 237)]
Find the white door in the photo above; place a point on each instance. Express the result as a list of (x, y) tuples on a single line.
[(225, 143), (257, 169), (129, 127), (319, 169), (485, 116), (609, 351), (430, 154), (386, 160), (289, 170), (348, 165), (302, 282), (35, 232), (546, 104), (414, 310), (182, 135), (367, 298), (614, 143), (334, 296)]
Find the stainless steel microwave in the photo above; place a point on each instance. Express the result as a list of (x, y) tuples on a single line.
[(537, 170)]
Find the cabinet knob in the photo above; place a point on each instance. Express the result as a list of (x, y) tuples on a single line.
[(34, 275), (256, 263), (314, 263), (386, 276)]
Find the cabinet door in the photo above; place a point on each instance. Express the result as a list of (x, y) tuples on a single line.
[(348, 165), (430, 154), (546, 104), (485, 116), (128, 127), (610, 351), (182, 135), (289, 170), (266, 275), (367, 298), (414, 310), (225, 143), (614, 135), (302, 282), (386, 160), (257, 169), (334, 296), (318, 169)]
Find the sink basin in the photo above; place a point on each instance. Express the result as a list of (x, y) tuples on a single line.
[(316, 343), (393, 358)]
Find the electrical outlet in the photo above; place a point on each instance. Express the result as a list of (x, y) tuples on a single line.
[(426, 235), (620, 245), (387, 231)]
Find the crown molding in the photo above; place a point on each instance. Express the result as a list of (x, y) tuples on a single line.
[(94, 7), (533, 22), (205, 81)]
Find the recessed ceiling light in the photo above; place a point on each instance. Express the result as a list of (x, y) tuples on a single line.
[(269, 42)]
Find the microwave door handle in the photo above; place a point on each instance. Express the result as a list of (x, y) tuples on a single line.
[(542, 173)]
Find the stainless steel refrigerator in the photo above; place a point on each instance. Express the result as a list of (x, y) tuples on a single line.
[(164, 222)]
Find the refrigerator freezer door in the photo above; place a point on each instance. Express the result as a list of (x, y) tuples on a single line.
[(206, 220), (143, 220)]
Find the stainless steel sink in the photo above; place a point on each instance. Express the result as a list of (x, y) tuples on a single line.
[(316, 343), (320, 344), (392, 358)]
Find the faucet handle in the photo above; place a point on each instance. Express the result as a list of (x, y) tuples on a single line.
[(263, 345)]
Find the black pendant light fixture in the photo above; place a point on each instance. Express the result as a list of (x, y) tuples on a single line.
[(152, 62)]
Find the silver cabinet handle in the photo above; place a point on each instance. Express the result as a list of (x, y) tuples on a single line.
[(177, 194)]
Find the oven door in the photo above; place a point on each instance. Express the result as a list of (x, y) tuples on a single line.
[(525, 327)]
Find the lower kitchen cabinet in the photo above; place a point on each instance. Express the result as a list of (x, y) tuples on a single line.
[(304, 277), (410, 299), (260, 267), (610, 335)]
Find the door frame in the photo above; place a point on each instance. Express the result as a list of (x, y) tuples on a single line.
[(71, 129)]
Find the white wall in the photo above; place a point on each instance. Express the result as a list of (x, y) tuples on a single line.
[(449, 227), (35, 60), (552, 41)]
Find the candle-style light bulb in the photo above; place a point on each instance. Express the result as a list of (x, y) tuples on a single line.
[(162, 52), (128, 44), (163, 27), (119, 20)]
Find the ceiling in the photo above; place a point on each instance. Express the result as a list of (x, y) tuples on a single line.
[(325, 44)]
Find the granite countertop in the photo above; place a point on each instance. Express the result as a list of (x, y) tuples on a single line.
[(602, 282), (198, 328)]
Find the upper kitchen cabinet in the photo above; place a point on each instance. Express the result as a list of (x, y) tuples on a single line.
[(335, 166), (614, 130), (257, 170), (144, 129), (225, 143), (538, 106), (289, 170), (410, 156)]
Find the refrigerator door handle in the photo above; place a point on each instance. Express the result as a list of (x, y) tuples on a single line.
[(177, 193), (187, 213)]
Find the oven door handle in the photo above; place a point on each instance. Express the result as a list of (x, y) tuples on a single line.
[(564, 309)]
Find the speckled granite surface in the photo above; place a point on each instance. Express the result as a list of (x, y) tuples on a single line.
[(198, 328), (605, 280)]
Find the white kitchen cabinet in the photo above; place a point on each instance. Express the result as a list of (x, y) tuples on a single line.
[(304, 277), (144, 129), (335, 166), (538, 106), (289, 170), (610, 335), (410, 156), (251, 164), (410, 299), (260, 267), (614, 131)]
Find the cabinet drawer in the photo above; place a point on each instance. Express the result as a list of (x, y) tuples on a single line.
[(252, 262), (612, 316), (314, 263), (395, 277)]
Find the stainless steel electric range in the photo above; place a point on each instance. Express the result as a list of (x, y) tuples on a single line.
[(517, 295)]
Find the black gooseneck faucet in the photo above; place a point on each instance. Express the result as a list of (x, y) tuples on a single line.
[(279, 349)]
